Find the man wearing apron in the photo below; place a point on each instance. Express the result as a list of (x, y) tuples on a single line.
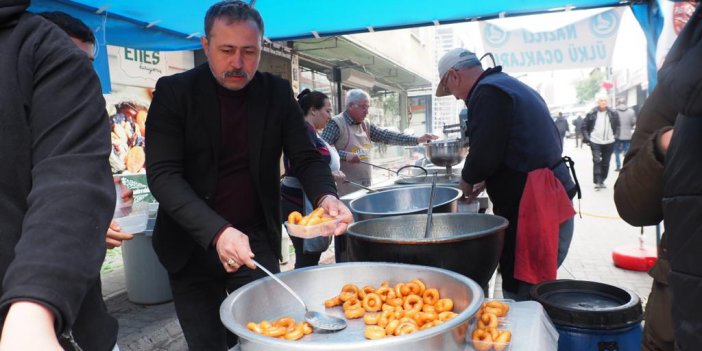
[(352, 134)]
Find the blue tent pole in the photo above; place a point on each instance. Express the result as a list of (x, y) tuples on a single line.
[(651, 20), (102, 68)]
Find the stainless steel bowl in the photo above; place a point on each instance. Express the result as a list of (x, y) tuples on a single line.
[(405, 200), (446, 152), (264, 299), (466, 243)]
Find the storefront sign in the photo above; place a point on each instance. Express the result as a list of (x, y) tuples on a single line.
[(142, 68), (586, 43), (143, 65), (134, 74)]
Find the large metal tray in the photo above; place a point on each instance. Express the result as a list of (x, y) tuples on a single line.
[(265, 299)]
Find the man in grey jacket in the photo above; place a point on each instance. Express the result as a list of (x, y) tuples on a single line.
[(627, 121)]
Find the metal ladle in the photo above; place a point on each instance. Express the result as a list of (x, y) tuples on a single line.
[(422, 175), (318, 320)]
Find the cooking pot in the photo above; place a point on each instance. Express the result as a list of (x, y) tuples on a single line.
[(403, 201), (264, 299), (446, 153), (466, 243)]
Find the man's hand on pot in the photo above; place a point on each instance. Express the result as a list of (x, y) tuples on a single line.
[(471, 191)]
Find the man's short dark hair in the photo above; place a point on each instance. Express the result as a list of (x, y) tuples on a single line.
[(232, 11), (72, 26)]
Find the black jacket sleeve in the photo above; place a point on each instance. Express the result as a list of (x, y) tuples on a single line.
[(166, 158), (68, 209), (490, 123), (587, 126)]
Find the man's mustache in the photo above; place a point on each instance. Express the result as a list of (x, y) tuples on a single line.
[(236, 73)]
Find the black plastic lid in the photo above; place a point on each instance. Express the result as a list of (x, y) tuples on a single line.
[(585, 304)]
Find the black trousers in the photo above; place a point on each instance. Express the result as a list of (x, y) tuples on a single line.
[(601, 157), (201, 286)]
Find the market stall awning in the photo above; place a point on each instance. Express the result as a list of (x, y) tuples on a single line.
[(177, 24), (343, 53)]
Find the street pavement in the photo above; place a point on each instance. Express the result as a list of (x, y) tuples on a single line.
[(597, 234)]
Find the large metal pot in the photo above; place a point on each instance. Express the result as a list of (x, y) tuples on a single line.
[(405, 200), (466, 243), (264, 299), (446, 152)]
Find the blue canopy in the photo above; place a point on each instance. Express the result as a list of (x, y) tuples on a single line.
[(177, 24)]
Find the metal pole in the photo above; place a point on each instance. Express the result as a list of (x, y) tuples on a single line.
[(336, 73)]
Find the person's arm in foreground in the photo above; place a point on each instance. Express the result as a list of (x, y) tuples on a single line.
[(62, 244), (638, 191)]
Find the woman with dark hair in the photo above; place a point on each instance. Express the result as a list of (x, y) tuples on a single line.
[(317, 109)]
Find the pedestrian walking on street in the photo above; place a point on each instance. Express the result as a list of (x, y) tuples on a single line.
[(599, 129), (627, 121), (562, 126), (577, 124)]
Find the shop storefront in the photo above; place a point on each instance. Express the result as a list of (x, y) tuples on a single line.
[(133, 75)]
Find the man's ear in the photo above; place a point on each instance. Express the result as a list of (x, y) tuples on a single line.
[(205, 44)]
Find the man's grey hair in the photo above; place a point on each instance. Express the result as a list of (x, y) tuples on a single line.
[(232, 11), (356, 95)]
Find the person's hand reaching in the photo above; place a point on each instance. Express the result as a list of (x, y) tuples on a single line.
[(426, 137), (115, 236), (353, 158), (339, 176), (335, 208)]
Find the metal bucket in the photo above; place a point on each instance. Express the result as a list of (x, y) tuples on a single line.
[(264, 299), (404, 201), (466, 243), (446, 152)]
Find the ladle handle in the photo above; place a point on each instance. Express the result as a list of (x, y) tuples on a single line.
[(370, 190), (381, 167), (427, 231), (281, 283)]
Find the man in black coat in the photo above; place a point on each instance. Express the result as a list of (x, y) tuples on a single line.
[(216, 135), (577, 127), (599, 129), (57, 195)]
